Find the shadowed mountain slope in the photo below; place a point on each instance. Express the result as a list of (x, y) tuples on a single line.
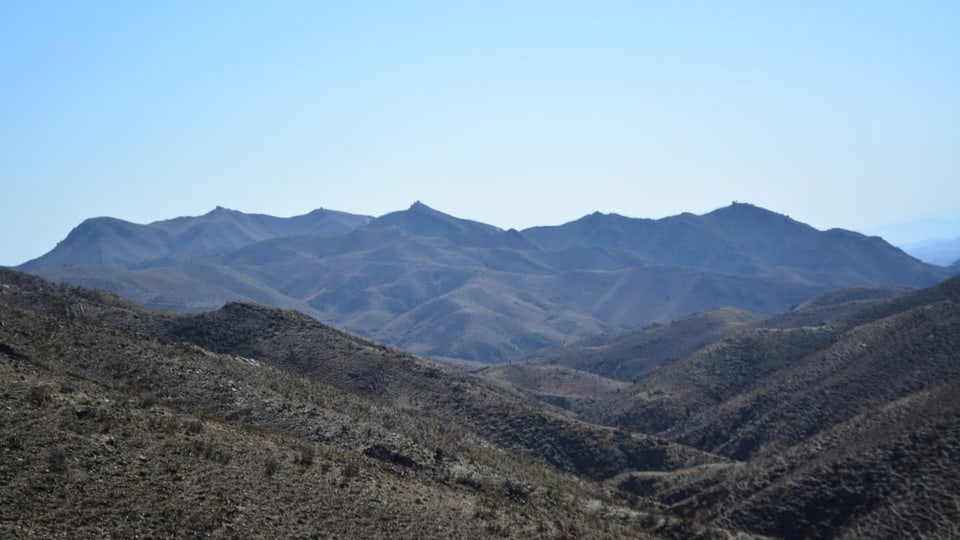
[(843, 428), (570, 389), (627, 356), (849, 430), (300, 343), (763, 389), (433, 284), (888, 472)]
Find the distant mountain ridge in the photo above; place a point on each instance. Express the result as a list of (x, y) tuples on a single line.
[(939, 252), (742, 239), (434, 284), (114, 242)]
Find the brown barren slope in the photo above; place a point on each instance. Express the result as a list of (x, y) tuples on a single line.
[(113, 429)]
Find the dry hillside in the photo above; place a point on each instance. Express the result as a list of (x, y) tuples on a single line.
[(111, 428)]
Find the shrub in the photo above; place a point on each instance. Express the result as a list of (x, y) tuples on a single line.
[(271, 466), (40, 395), (195, 427), (350, 471), (165, 424), (147, 400), (15, 442), (210, 451), (515, 492), (307, 453), (57, 460)]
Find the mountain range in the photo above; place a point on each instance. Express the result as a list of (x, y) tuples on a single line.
[(436, 285)]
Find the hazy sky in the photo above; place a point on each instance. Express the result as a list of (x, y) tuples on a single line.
[(837, 113)]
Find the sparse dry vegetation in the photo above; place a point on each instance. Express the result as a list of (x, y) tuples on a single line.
[(255, 422), (222, 447)]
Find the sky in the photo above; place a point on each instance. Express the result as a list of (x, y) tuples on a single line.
[(837, 113)]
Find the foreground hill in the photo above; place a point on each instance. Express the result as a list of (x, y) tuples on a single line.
[(436, 285), (117, 424), (269, 423)]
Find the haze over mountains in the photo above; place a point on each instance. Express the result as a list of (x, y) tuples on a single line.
[(436, 285), (940, 252)]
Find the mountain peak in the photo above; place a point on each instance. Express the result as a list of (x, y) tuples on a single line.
[(419, 207), (220, 210), (749, 220), (737, 208), (423, 220), (602, 218)]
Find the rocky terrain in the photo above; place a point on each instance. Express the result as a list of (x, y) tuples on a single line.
[(436, 285), (838, 418), (119, 422)]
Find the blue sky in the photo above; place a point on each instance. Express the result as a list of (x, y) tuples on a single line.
[(838, 113)]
